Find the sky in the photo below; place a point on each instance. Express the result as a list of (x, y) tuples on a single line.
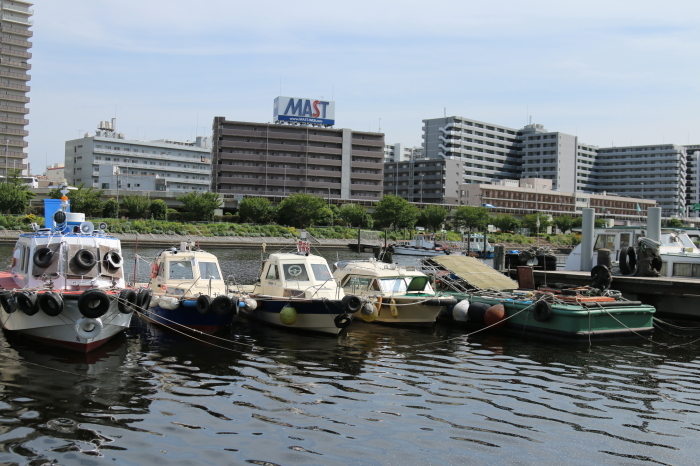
[(611, 72)]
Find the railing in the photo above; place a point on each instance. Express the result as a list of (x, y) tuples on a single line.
[(171, 158), (13, 30), (7, 108), (20, 42), (19, 132), (14, 19), (14, 98), (19, 87), (17, 121), (15, 64), (10, 74), (17, 8), (15, 53)]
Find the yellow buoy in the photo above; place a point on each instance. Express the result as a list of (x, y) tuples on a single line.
[(373, 311), (393, 308), (288, 315)]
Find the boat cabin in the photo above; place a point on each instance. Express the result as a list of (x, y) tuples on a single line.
[(372, 277), (186, 272), (298, 276)]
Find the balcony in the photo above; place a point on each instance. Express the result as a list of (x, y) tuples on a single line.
[(16, 87), (14, 121), (16, 19), (18, 9), (15, 53), (15, 64), (19, 31), (18, 132), (7, 108), (10, 74), (19, 42), (14, 98)]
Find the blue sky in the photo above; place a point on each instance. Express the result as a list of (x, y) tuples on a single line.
[(611, 72)]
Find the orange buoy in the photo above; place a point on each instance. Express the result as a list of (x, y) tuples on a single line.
[(495, 315)]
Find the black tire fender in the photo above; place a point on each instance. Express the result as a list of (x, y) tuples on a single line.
[(351, 303), (51, 303), (628, 260), (221, 305), (112, 260), (657, 263), (85, 259), (43, 257), (93, 303), (542, 311), (26, 302), (127, 301), (342, 321), (143, 298), (203, 303), (7, 302)]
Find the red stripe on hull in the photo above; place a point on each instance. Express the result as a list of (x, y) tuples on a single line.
[(80, 347)]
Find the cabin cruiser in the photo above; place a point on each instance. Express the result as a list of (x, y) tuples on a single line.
[(424, 244), (398, 295), (65, 285), (189, 291)]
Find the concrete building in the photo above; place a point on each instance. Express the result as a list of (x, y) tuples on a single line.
[(264, 159), (692, 191), (107, 160), (15, 21), (400, 153), (55, 173), (429, 181)]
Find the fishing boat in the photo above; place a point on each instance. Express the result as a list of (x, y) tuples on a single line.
[(65, 285), (189, 292), (297, 291), (395, 295), (425, 244), (479, 246), (488, 298)]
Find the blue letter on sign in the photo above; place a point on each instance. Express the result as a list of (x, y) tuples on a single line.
[(296, 108)]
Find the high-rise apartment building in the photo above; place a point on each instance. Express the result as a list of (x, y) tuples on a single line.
[(400, 153), (15, 21), (692, 192)]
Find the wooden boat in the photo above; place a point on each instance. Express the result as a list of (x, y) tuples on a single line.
[(189, 291), (397, 295), (65, 285)]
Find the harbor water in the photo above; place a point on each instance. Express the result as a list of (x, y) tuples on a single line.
[(374, 396)]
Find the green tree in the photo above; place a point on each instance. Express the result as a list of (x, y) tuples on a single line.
[(355, 215), (14, 194), (674, 223), (201, 206), (85, 200), (472, 218), (432, 217), (159, 209), (564, 223), (301, 210), (530, 221), (111, 209), (136, 206), (255, 210), (505, 222), (395, 212), (578, 222)]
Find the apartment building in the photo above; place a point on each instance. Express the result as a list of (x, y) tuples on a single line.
[(268, 159), (15, 21), (430, 181), (692, 191), (400, 153), (107, 160), (55, 173)]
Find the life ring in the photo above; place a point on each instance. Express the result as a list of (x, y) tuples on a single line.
[(542, 311), (143, 298), (112, 260), (93, 303), (26, 302), (51, 303), (628, 260), (88, 328), (43, 257), (154, 270), (221, 305), (342, 320), (85, 259), (127, 301), (203, 303), (351, 303), (392, 307), (7, 303)]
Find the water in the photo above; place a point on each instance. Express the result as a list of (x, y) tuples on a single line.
[(377, 395)]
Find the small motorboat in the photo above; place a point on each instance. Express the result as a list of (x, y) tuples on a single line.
[(425, 244), (65, 285), (189, 291)]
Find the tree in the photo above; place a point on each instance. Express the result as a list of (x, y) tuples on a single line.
[(255, 210), (469, 217), (505, 222), (674, 223), (159, 209), (136, 206), (85, 200), (564, 223), (355, 215), (111, 209), (432, 217), (301, 210), (530, 221), (395, 212), (14, 195), (201, 206)]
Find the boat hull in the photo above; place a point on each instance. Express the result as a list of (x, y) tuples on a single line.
[(406, 311), (408, 251), (186, 317), (315, 315)]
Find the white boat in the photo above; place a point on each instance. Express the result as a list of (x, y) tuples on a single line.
[(189, 291), (65, 285), (297, 291), (425, 244), (399, 295), (479, 246)]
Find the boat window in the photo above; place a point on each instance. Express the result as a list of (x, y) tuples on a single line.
[(209, 270), (604, 242), (180, 270), (24, 262), (321, 272), (272, 273), (418, 284), (295, 272), (354, 283), (686, 270), (393, 285), (624, 240)]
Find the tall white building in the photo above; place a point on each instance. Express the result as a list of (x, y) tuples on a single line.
[(15, 21), (107, 160), (400, 153)]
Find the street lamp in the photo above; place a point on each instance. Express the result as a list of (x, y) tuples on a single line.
[(421, 189), (329, 197), (7, 144)]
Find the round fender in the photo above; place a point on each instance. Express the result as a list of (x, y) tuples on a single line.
[(7, 302), (93, 303), (342, 320), (460, 312), (352, 303), (288, 315), (112, 260), (51, 303), (222, 305), (542, 311), (495, 316), (602, 278), (143, 298), (43, 257), (476, 312), (88, 328), (127, 301), (85, 259), (392, 307), (628, 261), (26, 302), (203, 303)]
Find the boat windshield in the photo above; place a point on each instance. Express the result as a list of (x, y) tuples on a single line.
[(295, 272), (180, 270), (321, 272), (209, 270)]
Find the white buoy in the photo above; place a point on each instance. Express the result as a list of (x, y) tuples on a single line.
[(460, 313)]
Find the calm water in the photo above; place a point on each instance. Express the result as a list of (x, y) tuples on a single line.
[(377, 395)]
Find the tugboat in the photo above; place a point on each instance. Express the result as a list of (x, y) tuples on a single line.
[(189, 291), (65, 285)]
